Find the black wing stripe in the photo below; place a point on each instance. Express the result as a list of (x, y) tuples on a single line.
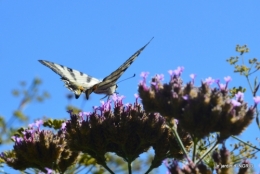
[(111, 79), (106, 85), (52, 66), (57, 69), (71, 73)]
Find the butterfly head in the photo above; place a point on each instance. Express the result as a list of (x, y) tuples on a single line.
[(78, 92)]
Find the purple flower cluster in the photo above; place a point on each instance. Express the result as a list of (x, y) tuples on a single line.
[(199, 110), (124, 129), (40, 149)]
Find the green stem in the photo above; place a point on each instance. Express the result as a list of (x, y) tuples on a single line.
[(129, 168), (108, 169), (153, 165), (194, 149), (245, 143), (149, 170), (174, 130), (249, 84), (207, 152)]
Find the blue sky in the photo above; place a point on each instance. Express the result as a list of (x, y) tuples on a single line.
[(97, 37)]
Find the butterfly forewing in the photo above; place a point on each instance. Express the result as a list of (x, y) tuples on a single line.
[(74, 80)]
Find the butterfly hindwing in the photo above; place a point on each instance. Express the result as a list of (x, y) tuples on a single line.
[(74, 80), (108, 85)]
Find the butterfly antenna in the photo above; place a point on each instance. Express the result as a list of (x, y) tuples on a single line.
[(104, 97), (127, 78)]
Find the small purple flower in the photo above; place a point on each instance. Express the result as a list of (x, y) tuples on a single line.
[(256, 99), (192, 76), (178, 71), (239, 96), (29, 130), (180, 68), (136, 98), (217, 81), (81, 114), (38, 123), (143, 84), (159, 77), (49, 171), (105, 106), (186, 97), (171, 72), (127, 104), (222, 86), (235, 103), (120, 98), (114, 97), (165, 162), (17, 139), (31, 125), (143, 81), (209, 81), (227, 79), (155, 84), (144, 74), (63, 125)]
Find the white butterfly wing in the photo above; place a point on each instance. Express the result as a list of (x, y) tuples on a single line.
[(74, 80), (108, 85)]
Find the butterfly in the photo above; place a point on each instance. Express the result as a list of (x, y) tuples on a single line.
[(79, 82)]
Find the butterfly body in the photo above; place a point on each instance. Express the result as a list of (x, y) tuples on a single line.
[(79, 82)]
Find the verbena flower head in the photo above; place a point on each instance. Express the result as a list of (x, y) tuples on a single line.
[(200, 110), (223, 156), (125, 130), (40, 149), (189, 168)]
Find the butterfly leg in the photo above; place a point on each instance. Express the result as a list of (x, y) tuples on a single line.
[(104, 97)]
